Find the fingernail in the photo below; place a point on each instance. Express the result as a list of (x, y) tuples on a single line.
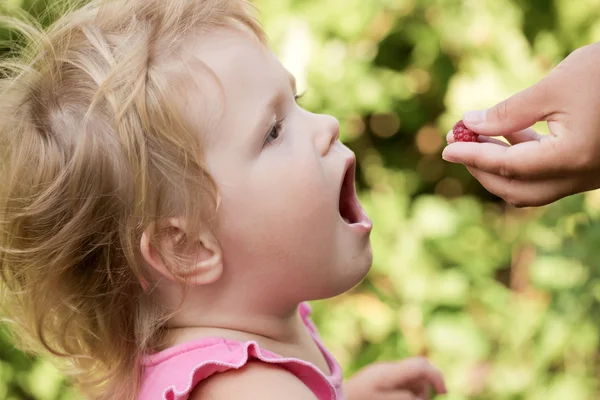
[(448, 158), (474, 117)]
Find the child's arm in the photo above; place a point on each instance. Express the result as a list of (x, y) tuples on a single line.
[(255, 380), (409, 379)]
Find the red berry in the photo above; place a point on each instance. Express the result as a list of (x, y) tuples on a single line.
[(463, 134)]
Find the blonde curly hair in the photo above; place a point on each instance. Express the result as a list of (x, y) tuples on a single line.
[(93, 150)]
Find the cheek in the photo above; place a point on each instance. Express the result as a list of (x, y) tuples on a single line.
[(287, 214), (298, 197)]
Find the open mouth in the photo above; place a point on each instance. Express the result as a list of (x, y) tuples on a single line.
[(349, 207)]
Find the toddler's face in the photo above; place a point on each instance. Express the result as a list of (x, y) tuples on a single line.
[(289, 222)]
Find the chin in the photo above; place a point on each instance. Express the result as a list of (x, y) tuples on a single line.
[(364, 268), (352, 275)]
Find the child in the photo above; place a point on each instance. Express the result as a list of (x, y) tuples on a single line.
[(167, 208)]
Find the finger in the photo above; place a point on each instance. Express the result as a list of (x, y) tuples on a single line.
[(487, 139), (516, 113), (525, 135), (407, 396), (480, 139), (395, 395), (423, 393), (422, 389), (528, 160), (411, 371), (525, 193)]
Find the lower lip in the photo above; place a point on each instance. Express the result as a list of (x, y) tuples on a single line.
[(364, 225)]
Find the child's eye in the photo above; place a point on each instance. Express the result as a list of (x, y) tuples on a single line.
[(275, 130), (274, 133)]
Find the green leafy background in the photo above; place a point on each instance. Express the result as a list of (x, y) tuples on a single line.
[(505, 301)]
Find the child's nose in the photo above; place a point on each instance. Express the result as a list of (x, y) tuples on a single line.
[(328, 132)]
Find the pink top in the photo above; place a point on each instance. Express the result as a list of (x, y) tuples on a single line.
[(172, 374)]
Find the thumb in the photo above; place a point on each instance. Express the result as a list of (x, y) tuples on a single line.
[(516, 113)]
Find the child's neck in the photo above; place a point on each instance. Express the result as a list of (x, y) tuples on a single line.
[(287, 328), (283, 333)]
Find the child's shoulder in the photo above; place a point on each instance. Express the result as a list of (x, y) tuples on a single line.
[(256, 380), (183, 372)]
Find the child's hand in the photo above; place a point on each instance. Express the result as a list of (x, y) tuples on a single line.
[(409, 379), (536, 170)]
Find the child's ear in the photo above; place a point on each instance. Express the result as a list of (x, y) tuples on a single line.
[(177, 256)]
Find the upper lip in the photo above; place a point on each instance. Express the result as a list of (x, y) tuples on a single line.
[(349, 166)]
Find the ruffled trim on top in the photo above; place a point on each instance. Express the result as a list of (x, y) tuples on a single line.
[(239, 355), (197, 360)]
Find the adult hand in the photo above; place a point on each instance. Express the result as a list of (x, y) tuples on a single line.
[(409, 379), (535, 170)]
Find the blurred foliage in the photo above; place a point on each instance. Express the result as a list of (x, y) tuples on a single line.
[(506, 302)]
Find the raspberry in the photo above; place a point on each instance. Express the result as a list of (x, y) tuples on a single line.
[(463, 134)]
